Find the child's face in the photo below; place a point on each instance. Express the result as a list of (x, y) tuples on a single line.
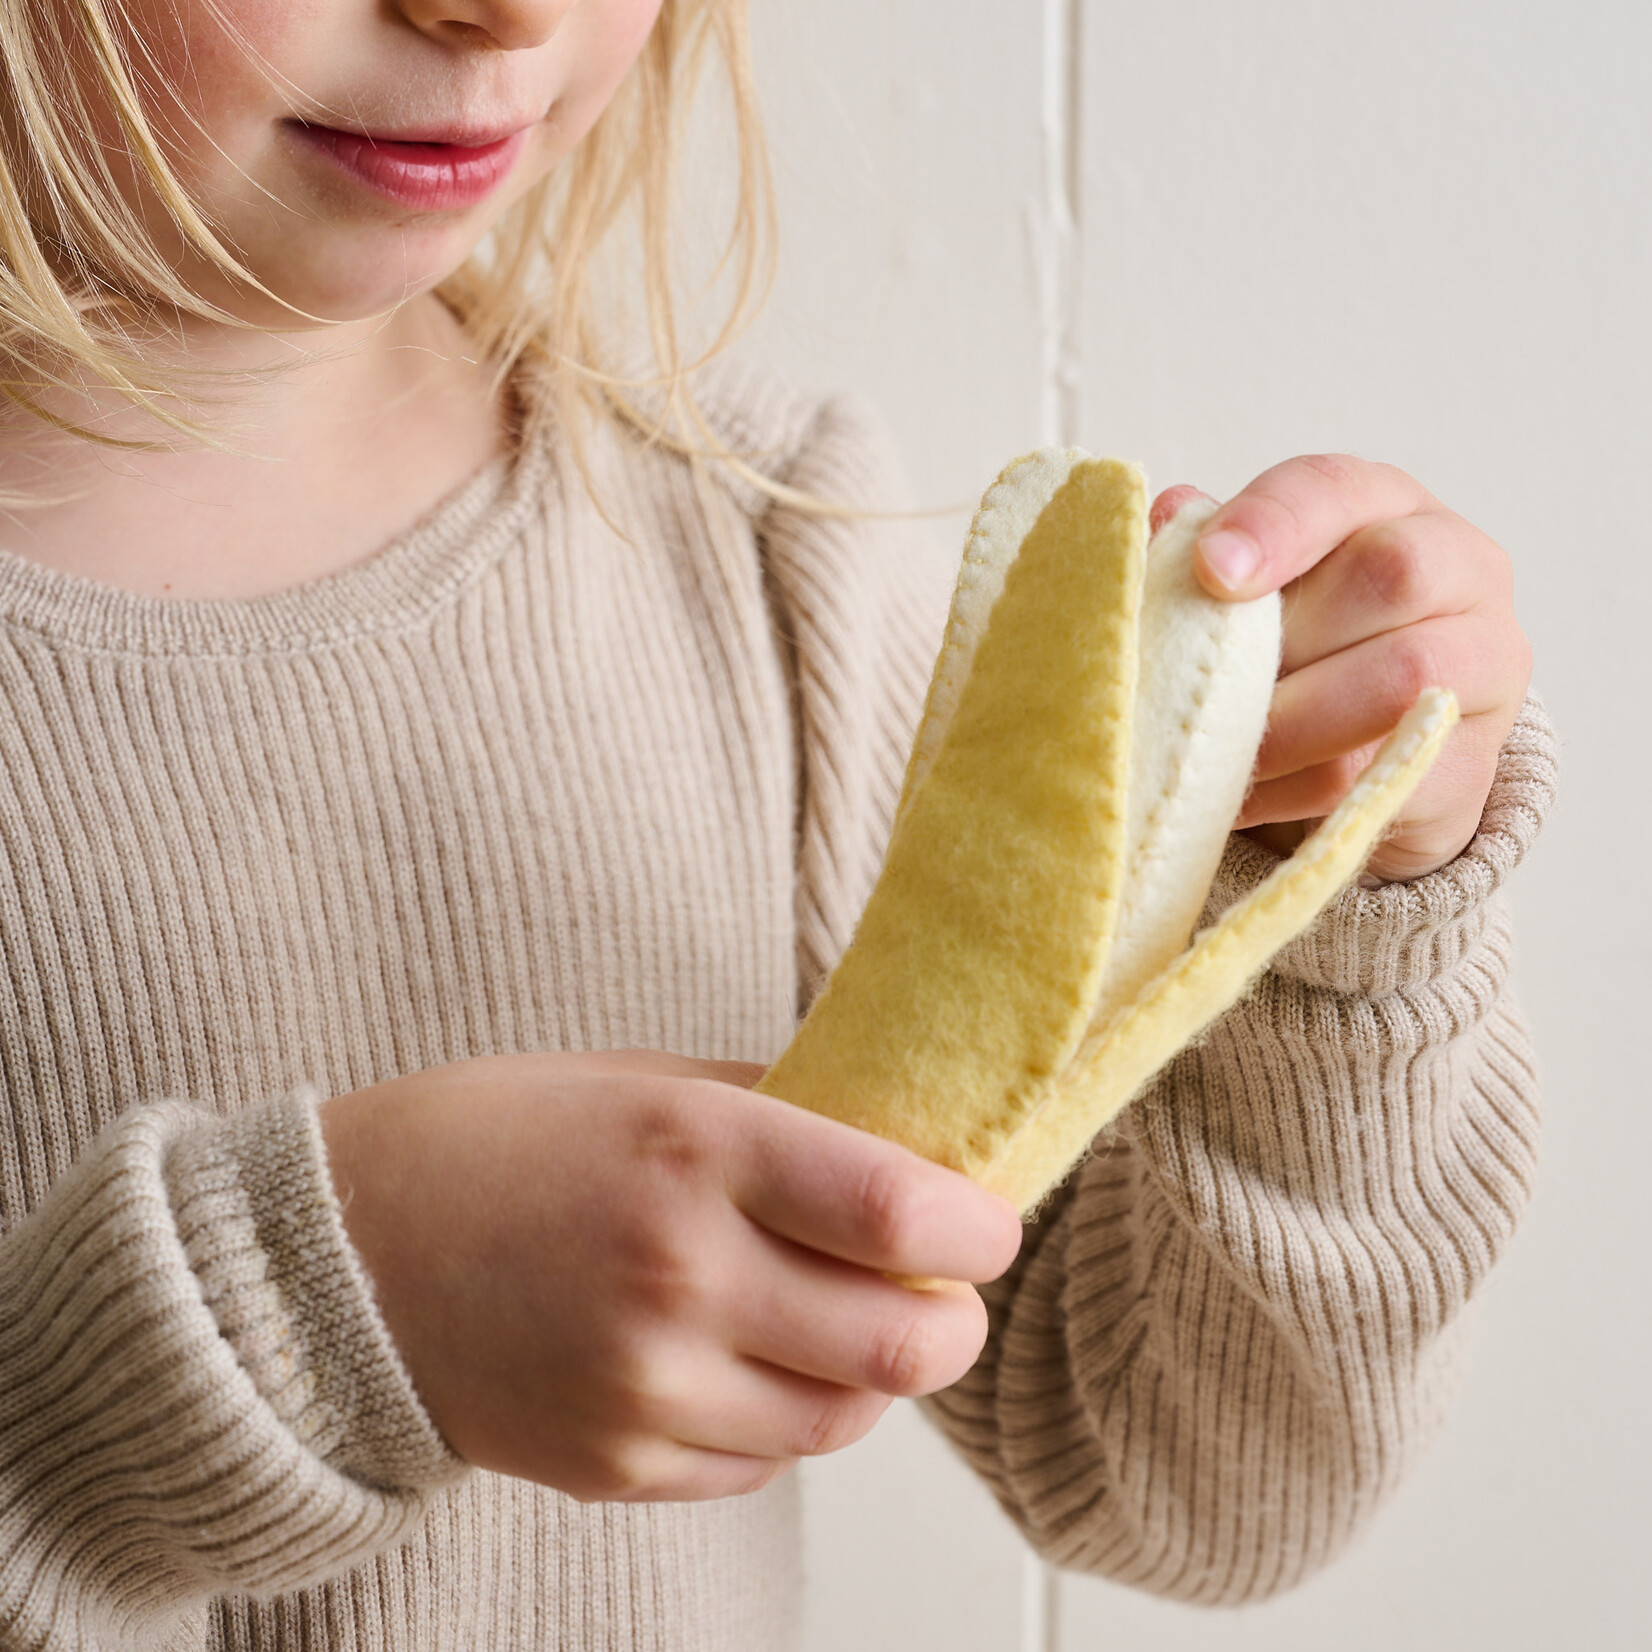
[(273, 97)]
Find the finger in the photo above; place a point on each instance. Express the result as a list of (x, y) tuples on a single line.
[(1390, 575), (1350, 699), (1292, 516), (741, 1074), (849, 1326), (1439, 818), (856, 1197), (667, 1471), (746, 1408), (1308, 794), (663, 1064), (1172, 500)]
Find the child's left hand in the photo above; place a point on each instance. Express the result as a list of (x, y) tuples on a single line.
[(1387, 592)]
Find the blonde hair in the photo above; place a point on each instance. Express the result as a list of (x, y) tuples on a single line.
[(78, 262)]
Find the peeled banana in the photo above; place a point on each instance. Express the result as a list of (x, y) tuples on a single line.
[(1023, 967)]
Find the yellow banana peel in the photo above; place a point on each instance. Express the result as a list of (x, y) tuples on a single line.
[(1023, 965)]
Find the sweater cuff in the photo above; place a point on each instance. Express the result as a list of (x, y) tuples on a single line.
[(1402, 935), (261, 1225)]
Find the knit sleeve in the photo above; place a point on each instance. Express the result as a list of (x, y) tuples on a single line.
[(1242, 1320), (197, 1395)]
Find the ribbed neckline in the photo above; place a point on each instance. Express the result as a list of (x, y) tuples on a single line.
[(393, 588)]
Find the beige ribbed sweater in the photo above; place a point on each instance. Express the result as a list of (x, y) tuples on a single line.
[(516, 783)]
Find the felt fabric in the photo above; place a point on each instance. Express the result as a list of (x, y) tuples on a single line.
[(1212, 975), (989, 927), (1207, 670), (1008, 513), (1018, 973)]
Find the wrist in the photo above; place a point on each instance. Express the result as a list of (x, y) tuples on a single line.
[(366, 1166)]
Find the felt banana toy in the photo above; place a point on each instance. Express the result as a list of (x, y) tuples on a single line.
[(1023, 965)]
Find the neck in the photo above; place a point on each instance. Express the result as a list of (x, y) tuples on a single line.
[(331, 441), (265, 392)]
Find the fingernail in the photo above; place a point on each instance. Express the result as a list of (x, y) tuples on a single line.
[(1231, 556)]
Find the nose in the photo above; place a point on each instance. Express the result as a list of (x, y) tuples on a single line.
[(511, 25)]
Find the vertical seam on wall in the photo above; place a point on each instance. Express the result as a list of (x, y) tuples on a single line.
[(1058, 244), (1061, 238)]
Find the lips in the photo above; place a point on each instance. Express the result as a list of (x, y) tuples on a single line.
[(422, 176)]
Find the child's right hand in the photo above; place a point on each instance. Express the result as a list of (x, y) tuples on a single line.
[(629, 1277)]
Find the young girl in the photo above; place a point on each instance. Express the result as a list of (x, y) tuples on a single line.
[(393, 729)]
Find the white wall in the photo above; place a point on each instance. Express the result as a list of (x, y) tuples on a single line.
[(1417, 231)]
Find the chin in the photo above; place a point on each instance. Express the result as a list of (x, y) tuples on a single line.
[(357, 283)]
